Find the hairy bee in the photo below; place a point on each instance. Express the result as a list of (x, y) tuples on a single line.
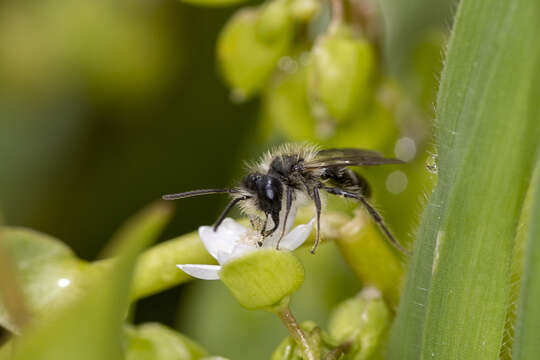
[(293, 174)]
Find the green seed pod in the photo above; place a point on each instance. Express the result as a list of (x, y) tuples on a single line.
[(274, 21), (305, 10), (340, 72), (246, 61), (263, 279), (363, 320), (285, 101)]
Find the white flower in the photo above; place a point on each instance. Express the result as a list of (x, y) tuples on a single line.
[(233, 240)]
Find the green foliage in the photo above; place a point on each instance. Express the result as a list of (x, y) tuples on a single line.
[(458, 283), (48, 272), (526, 344), (157, 342), (322, 77), (90, 326)]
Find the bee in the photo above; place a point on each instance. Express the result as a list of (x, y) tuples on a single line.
[(293, 174)]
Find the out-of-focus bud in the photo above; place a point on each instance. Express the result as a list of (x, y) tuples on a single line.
[(285, 102), (362, 320), (289, 350), (340, 71), (373, 127), (305, 10), (246, 60), (274, 20), (263, 279)]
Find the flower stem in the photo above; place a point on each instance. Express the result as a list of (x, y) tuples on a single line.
[(337, 11), (297, 334)]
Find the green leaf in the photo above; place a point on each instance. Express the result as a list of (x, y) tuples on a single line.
[(157, 342), (90, 326), (516, 274), (526, 344), (456, 294), (47, 271)]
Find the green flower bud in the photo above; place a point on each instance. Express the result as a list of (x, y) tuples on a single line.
[(289, 349), (285, 104), (363, 320), (263, 279), (305, 10), (340, 72), (247, 61), (274, 21)]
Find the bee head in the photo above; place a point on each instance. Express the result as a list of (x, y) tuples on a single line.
[(267, 190)]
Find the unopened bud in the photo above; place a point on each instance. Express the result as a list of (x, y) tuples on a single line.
[(247, 61), (362, 321), (340, 72), (274, 21)]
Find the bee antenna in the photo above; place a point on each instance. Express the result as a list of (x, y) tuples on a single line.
[(196, 193), (227, 209)]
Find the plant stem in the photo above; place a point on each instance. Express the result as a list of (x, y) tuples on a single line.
[(337, 11), (297, 334)]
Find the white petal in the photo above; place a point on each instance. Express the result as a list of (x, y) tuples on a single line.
[(271, 241), (296, 237), (224, 239), (200, 271), (240, 250), (223, 257)]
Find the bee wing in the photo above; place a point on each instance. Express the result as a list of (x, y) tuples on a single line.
[(348, 157)]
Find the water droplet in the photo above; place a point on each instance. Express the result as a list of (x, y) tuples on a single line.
[(405, 149), (431, 164), (63, 282), (396, 182)]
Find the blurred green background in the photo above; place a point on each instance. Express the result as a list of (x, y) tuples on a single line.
[(107, 105)]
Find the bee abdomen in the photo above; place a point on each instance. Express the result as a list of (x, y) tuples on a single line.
[(347, 179)]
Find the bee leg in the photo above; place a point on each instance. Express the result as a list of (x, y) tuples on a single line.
[(287, 211), (275, 219), (317, 201), (263, 230), (227, 209), (372, 212)]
